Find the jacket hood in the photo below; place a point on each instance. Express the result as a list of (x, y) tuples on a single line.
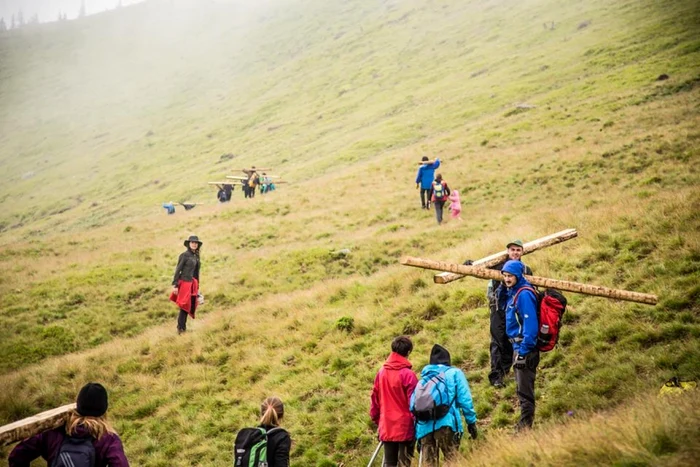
[(439, 355), (517, 268), (397, 362)]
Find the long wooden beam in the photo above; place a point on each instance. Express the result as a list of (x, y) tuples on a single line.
[(529, 247), (34, 425), (577, 287)]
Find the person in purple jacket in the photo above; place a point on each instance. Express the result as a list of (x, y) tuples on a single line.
[(522, 328), (88, 421)]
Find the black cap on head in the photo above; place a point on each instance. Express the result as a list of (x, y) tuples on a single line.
[(439, 355), (424, 158), (92, 400)]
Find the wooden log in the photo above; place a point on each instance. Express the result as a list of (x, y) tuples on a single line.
[(34, 425), (228, 182), (426, 162), (529, 247), (237, 177), (577, 287), (256, 169)]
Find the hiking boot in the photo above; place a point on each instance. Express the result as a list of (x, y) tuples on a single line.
[(180, 331), (498, 384)]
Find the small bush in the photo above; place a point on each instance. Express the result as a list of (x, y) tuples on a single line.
[(345, 323)]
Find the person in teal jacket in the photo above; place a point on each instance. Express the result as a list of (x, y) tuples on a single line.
[(445, 433), (424, 180)]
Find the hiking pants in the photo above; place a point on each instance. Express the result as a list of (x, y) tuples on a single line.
[(182, 317), (425, 195), (501, 349), (525, 382), (445, 440), (439, 205), (398, 454)]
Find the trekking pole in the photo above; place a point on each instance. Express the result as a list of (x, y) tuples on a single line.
[(420, 457), (376, 451)]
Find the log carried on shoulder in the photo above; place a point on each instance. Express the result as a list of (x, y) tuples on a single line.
[(34, 425), (427, 162), (577, 287), (529, 247)]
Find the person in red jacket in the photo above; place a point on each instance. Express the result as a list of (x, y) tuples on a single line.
[(391, 397)]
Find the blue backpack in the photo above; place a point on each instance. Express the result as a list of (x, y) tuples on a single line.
[(75, 452), (432, 400)]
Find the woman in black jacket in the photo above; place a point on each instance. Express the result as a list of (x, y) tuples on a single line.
[(186, 282), (279, 443)]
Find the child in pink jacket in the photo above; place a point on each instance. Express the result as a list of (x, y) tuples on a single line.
[(455, 205)]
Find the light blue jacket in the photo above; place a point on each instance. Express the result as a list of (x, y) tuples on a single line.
[(457, 384)]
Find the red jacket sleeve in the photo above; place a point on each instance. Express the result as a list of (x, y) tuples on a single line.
[(409, 381), (374, 408)]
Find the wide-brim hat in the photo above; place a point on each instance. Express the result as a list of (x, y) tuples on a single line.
[(193, 238), (516, 242)]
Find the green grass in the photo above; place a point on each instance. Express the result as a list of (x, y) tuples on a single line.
[(342, 98)]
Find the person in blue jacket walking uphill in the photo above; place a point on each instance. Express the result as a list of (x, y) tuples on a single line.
[(424, 181), (522, 328), (444, 434)]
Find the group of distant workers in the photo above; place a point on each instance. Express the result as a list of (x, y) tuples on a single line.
[(250, 186)]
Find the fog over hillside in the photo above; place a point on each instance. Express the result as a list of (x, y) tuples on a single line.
[(48, 10)]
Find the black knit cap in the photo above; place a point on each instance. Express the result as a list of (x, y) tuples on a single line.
[(439, 355), (92, 400)]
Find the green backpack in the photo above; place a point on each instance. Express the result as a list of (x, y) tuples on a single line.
[(250, 447), (439, 191)]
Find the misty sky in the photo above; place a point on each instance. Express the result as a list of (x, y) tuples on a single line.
[(48, 9)]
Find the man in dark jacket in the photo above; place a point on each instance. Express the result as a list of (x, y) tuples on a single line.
[(391, 395), (522, 328), (424, 180), (501, 349)]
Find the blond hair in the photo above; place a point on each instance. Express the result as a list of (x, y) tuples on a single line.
[(96, 426), (272, 411)]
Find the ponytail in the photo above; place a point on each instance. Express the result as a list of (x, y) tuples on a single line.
[(272, 411)]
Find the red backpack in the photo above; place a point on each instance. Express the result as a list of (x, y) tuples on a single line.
[(551, 306)]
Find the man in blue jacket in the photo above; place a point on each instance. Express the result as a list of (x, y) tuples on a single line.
[(521, 328), (424, 181), (444, 434)]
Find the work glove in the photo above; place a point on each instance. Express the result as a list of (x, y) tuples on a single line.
[(520, 362), (468, 262), (472, 430)]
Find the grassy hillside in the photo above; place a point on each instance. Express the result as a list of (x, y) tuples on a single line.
[(105, 118)]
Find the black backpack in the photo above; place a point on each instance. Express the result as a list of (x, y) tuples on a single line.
[(250, 447), (75, 452)]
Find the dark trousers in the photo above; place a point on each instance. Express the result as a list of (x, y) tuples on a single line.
[(182, 317), (182, 321), (525, 382), (444, 440), (425, 195), (439, 205), (398, 454), (501, 349)]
